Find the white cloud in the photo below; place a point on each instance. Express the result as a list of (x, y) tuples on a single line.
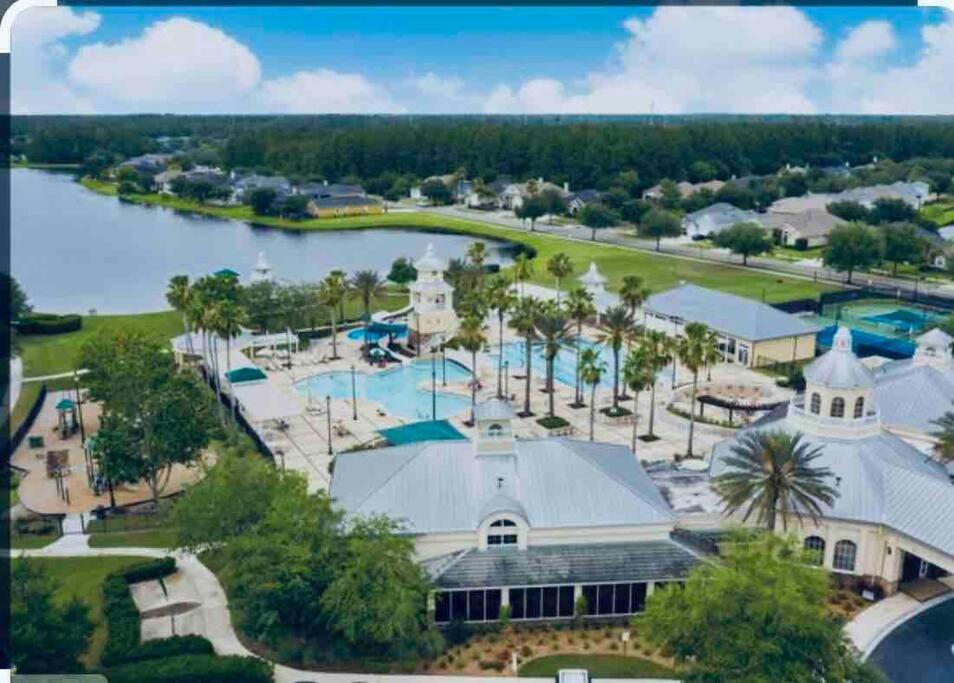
[(866, 41), (177, 64), (691, 59), (38, 52), (325, 91)]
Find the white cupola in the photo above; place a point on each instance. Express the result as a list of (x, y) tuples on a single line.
[(494, 419), (263, 270), (839, 390), (934, 349)]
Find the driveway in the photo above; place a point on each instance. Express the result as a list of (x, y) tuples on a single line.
[(921, 650)]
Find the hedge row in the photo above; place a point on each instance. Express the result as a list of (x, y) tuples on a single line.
[(194, 669), (122, 619), (49, 323)]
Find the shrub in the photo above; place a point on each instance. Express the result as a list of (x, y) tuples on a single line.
[(149, 571), (504, 616), (172, 647), (554, 422), (618, 411), (49, 323), (491, 665), (526, 651), (194, 669), (458, 632), (37, 526)]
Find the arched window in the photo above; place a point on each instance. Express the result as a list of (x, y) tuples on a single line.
[(816, 403), (495, 431), (844, 558), (502, 532), (859, 407), (838, 407), (815, 549)]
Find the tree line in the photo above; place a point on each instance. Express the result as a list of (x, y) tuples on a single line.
[(585, 153)]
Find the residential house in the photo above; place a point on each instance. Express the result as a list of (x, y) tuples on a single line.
[(242, 187), (686, 189), (947, 232), (343, 205), (163, 181), (801, 229), (749, 332), (326, 189), (577, 200), (149, 164), (513, 195), (889, 522), (530, 524), (715, 218)]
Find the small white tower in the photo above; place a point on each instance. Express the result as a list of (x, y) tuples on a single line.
[(262, 271), (494, 427), (934, 349), (432, 301), (594, 282), (839, 393)]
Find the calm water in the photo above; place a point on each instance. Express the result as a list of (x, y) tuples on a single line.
[(74, 250), (404, 391)]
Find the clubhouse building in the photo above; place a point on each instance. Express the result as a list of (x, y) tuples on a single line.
[(530, 524)]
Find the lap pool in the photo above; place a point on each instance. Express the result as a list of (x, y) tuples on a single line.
[(564, 367), (403, 391)]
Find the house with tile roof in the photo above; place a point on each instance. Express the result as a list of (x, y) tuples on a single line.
[(532, 524)]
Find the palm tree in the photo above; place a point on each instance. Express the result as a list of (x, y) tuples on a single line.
[(945, 436), (522, 271), (773, 473), (579, 306), (230, 319), (553, 327), (632, 293), (658, 349), (368, 284), (179, 296), (638, 375), (559, 266), (694, 349), (477, 253), (523, 320), (591, 370), (500, 299), (618, 325), (331, 293), (210, 323), (470, 337)]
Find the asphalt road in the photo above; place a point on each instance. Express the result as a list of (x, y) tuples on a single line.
[(921, 650), (617, 237)]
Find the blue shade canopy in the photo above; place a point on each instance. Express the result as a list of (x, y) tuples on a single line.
[(65, 404), (439, 430), (245, 375)]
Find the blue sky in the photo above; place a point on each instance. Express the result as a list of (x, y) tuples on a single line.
[(586, 60)]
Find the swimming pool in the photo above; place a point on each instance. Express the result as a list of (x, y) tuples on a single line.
[(564, 367), (357, 334), (396, 389)]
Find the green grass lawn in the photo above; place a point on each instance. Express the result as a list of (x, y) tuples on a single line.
[(31, 541), (599, 666), (151, 538), (940, 213), (82, 577), (56, 353), (658, 270)]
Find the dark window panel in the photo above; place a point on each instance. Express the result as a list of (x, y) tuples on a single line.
[(516, 603), (458, 605), (639, 597), (590, 593), (621, 599), (475, 607), (605, 599), (492, 602), (550, 601), (566, 601), (533, 603), (442, 607)]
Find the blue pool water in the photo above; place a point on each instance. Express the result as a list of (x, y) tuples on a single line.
[(403, 391), (357, 334), (564, 367)]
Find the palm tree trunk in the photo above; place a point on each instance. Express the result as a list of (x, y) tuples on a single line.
[(526, 398), (577, 386), (558, 290), (635, 418), (592, 408), (692, 411), (500, 353), (652, 408), (334, 335), (772, 506), (473, 388), (550, 384), (615, 378)]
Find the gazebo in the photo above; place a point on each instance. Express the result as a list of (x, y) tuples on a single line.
[(594, 282)]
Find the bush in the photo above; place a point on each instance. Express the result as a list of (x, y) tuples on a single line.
[(492, 665), (618, 411), (555, 422), (458, 632), (36, 526), (195, 669), (49, 323), (172, 647), (149, 571)]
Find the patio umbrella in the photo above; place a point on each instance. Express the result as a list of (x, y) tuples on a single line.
[(377, 352)]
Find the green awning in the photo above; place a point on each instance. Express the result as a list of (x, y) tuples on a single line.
[(226, 272), (246, 374), (439, 430), (65, 404)]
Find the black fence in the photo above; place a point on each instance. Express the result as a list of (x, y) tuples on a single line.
[(937, 301), (16, 438), (799, 306), (239, 418)]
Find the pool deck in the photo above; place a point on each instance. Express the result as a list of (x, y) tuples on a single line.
[(305, 440)]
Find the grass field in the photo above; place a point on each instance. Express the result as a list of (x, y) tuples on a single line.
[(658, 270), (82, 577), (599, 666), (151, 538), (940, 213), (31, 541), (52, 354)]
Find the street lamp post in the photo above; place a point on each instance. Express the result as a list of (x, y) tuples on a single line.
[(443, 364), (354, 395), (507, 379), (79, 407), (433, 385), (328, 414)]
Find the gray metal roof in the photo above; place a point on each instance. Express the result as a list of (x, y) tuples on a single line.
[(734, 315), (840, 367), (444, 486), (562, 564), (717, 217), (880, 479), (494, 409), (913, 395)]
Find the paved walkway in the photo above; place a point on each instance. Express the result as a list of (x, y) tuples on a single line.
[(213, 620)]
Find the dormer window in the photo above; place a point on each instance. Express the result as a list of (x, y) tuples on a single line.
[(816, 403), (859, 407), (503, 532), (837, 407)]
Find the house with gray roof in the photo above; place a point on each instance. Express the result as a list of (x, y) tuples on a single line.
[(801, 228), (715, 218), (750, 332), (890, 520), (242, 187), (532, 524)]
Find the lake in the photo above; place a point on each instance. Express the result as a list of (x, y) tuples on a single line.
[(74, 250)]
